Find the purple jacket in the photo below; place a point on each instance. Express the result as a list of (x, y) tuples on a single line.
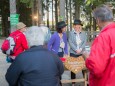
[(54, 43)]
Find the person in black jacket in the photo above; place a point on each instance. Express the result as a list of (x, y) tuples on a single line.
[(36, 66)]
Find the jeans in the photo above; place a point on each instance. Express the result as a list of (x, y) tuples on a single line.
[(60, 54)]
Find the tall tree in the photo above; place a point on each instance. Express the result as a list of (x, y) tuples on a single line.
[(62, 10), (4, 6), (32, 10), (52, 14), (40, 13), (56, 11), (47, 9), (67, 13), (70, 2), (77, 9), (12, 11)]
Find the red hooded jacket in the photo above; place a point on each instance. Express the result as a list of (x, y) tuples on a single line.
[(21, 42), (101, 61)]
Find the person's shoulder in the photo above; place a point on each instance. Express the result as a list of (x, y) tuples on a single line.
[(23, 55), (12, 33), (64, 33), (15, 33), (55, 34)]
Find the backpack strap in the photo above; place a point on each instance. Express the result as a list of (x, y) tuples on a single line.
[(15, 49)]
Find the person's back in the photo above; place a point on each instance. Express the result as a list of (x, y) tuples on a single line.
[(104, 58), (101, 60), (21, 43), (20, 40)]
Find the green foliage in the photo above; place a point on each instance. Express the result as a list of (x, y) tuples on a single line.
[(27, 2)]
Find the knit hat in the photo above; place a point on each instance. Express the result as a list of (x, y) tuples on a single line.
[(20, 25)]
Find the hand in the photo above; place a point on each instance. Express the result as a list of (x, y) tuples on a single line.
[(78, 51), (86, 54), (65, 56)]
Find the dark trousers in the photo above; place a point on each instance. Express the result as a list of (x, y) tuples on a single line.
[(73, 75), (60, 54)]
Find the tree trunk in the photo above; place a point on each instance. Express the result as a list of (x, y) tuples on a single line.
[(62, 10), (70, 14), (77, 10), (90, 38), (94, 24), (4, 15), (40, 15), (56, 12), (52, 15), (32, 9), (36, 12), (67, 14), (12, 11), (47, 13)]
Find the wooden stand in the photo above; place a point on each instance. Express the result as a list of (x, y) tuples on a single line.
[(85, 79)]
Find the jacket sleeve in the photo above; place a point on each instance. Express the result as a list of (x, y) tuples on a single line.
[(59, 65), (51, 41), (66, 46), (84, 40), (24, 42), (99, 56), (72, 45), (13, 73)]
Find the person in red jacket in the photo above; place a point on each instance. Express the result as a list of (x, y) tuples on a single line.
[(21, 42), (101, 60)]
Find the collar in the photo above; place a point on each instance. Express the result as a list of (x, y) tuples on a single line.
[(111, 25), (76, 32), (38, 47)]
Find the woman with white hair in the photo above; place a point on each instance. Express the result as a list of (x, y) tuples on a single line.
[(37, 65)]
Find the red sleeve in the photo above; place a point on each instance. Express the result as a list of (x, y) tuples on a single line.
[(24, 42), (99, 55)]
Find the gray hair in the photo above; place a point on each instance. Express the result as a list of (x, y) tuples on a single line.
[(47, 33), (103, 13), (35, 36)]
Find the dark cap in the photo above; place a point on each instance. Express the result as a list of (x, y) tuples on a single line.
[(77, 22), (61, 24)]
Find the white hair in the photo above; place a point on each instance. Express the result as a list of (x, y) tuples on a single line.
[(46, 32), (35, 36), (44, 29)]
